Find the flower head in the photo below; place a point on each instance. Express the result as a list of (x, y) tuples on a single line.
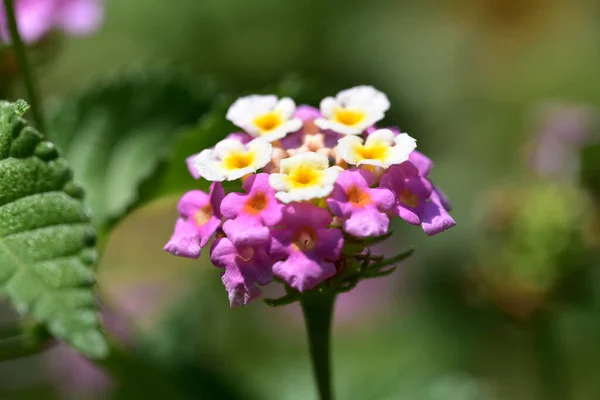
[(353, 110), (266, 117), (362, 208), (231, 159), (200, 217), (310, 164), (381, 149), (36, 18), (306, 246), (304, 176), (245, 268), (251, 214)]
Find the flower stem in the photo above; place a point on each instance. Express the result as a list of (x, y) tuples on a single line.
[(317, 308), (25, 67), (550, 358)]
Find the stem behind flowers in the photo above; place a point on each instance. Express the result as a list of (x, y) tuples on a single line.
[(317, 308), (28, 75)]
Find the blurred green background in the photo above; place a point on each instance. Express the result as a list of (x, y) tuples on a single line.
[(467, 79)]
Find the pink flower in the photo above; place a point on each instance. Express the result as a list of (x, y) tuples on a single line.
[(306, 246), (245, 267), (251, 214), (362, 208), (36, 18), (200, 217), (417, 202)]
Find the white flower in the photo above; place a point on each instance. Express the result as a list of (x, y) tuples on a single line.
[(265, 116), (353, 110), (304, 176), (230, 159), (381, 149)]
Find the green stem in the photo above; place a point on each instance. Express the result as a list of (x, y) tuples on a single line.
[(318, 314), (550, 359), (24, 65), (18, 341)]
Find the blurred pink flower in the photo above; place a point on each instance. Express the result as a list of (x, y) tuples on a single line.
[(36, 18)]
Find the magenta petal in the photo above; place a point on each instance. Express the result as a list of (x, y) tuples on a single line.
[(191, 202), (245, 267), (422, 162), (185, 241), (307, 113), (436, 219), (441, 197), (35, 18), (367, 222), (330, 243), (302, 272), (244, 231), (383, 198), (232, 204)]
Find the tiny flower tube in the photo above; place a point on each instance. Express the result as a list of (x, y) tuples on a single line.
[(353, 110), (305, 247), (381, 149), (266, 117), (252, 213), (362, 208), (200, 217), (304, 176), (245, 268), (231, 159)]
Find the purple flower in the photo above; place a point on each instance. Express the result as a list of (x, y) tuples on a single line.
[(418, 203), (36, 18), (242, 137), (245, 267), (306, 246), (200, 217), (362, 208), (251, 214)]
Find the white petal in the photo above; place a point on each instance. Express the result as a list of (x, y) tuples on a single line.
[(263, 152), (401, 151), (364, 98), (381, 135), (278, 182), (315, 160), (330, 176), (328, 104), (245, 109), (286, 107), (345, 148), (238, 173), (208, 166), (373, 162), (226, 146), (327, 124)]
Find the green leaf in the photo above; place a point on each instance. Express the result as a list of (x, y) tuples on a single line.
[(116, 133), (47, 244)]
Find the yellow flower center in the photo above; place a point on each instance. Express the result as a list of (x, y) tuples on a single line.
[(238, 160), (269, 121), (256, 204), (358, 196), (304, 176), (203, 215), (374, 151), (348, 117), (408, 198), (304, 238)]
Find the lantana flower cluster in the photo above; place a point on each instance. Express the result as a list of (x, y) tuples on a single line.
[(36, 18), (314, 181)]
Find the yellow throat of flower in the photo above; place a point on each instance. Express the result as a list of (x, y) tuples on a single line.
[(347, 116), (268, 122), (238, 160)]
